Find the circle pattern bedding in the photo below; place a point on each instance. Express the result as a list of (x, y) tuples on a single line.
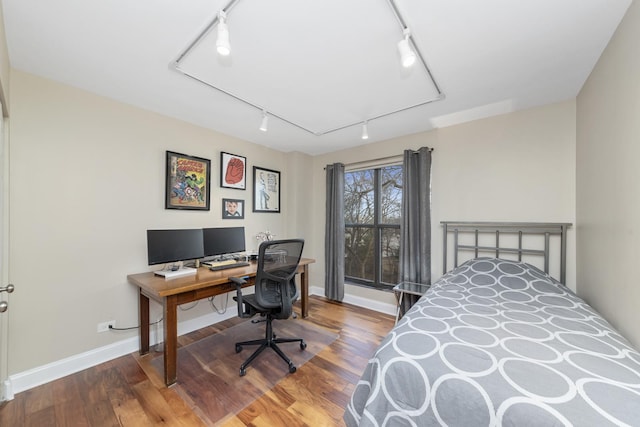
[(499, 342)]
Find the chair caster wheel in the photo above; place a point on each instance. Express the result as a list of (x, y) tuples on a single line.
[(243, 372), (303, 345), (238, 348), (292, 368)]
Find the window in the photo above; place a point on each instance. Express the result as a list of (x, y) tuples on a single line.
[(373, 210)]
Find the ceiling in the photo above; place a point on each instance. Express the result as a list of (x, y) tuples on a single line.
[(318, 68)]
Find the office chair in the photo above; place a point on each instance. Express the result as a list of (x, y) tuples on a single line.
[(275, 293)]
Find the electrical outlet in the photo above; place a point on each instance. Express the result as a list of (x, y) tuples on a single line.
[(104, 326)]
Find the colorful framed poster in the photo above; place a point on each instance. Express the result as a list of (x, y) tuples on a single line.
[(266, 190), (187, 182), (233, 171), (232, 209)]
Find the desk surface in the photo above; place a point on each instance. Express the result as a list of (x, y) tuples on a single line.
[(173, 292), (161, 287)]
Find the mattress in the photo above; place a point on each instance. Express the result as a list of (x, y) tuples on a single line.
[(499, 342)]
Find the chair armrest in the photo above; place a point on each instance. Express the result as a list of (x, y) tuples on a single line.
[(239, 281)]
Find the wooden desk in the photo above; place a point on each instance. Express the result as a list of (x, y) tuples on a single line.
[(174, 292)]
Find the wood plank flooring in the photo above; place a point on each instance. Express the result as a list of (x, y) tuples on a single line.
[(128, 391)]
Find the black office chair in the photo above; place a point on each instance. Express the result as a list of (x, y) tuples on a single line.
[(275, 293)]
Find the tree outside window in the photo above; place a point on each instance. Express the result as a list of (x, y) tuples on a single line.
[(373, 210)]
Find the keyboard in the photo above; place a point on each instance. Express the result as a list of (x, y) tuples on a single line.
[(219, 263), (235, 264)]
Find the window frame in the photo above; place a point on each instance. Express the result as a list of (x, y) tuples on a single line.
[(378, 228)]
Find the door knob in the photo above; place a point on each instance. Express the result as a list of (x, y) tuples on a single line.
[(8, 289), (3, 306)]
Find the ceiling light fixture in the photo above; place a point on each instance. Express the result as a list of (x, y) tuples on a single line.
[(222, 43), (407, 55), (265, 121), (408, 47), (365, 131)]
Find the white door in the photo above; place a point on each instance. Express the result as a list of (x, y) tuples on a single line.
[(5, 389)]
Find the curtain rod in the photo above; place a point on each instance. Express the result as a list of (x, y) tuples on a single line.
[(397, 157), (379, 159)]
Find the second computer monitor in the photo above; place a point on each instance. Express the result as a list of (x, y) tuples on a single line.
[(223, 240)]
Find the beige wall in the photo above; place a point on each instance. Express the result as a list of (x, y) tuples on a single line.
[(4, 68), (87, 181), (514, 167), (608, 181)]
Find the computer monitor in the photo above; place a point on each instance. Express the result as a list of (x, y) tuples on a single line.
[(223, 240), (164, 246)]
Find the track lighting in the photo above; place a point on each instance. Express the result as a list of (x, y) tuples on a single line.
[(265, 121), (365, 132), (222, 43), (407, 55)]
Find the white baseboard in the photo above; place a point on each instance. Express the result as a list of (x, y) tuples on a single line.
[(26, 380), (381, 307), (43, 374), (6, 393)]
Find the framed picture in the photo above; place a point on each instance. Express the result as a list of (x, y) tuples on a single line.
[(187, 182), (266, 190), (233, 171), (232, 209)]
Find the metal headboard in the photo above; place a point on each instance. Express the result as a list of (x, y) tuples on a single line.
[(519, 228)]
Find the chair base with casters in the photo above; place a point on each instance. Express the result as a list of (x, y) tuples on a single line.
[(269, 340), (275, 293)]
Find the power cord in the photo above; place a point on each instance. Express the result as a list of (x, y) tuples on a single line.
[(223, 310), (133, 327), (213, 305), (188, 308)]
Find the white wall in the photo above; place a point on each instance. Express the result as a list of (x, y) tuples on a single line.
[(514, 167), (608, 179), (87, 181)]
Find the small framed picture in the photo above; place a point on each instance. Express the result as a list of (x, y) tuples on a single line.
[(233, 171), (266, 190), (187, 182), (232, 209)]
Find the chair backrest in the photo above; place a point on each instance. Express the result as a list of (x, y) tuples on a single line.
[(275, 278)]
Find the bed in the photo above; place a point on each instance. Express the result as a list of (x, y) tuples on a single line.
[(499, 342)]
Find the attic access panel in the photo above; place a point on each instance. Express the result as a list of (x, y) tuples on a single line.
[(320, 66)]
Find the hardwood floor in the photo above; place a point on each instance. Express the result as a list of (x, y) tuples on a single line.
[(128, 391)]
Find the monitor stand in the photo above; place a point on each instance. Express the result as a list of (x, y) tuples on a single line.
[(181, 272)]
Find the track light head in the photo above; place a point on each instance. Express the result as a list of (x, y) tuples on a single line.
[(365, 131), (265, 122), (222, 43), (407, 55)]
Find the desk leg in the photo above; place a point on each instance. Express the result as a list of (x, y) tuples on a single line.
[(304, 288), (144, 323), (170, 339)]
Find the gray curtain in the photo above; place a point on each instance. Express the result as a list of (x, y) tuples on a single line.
[(334, 234), (415, 229)]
